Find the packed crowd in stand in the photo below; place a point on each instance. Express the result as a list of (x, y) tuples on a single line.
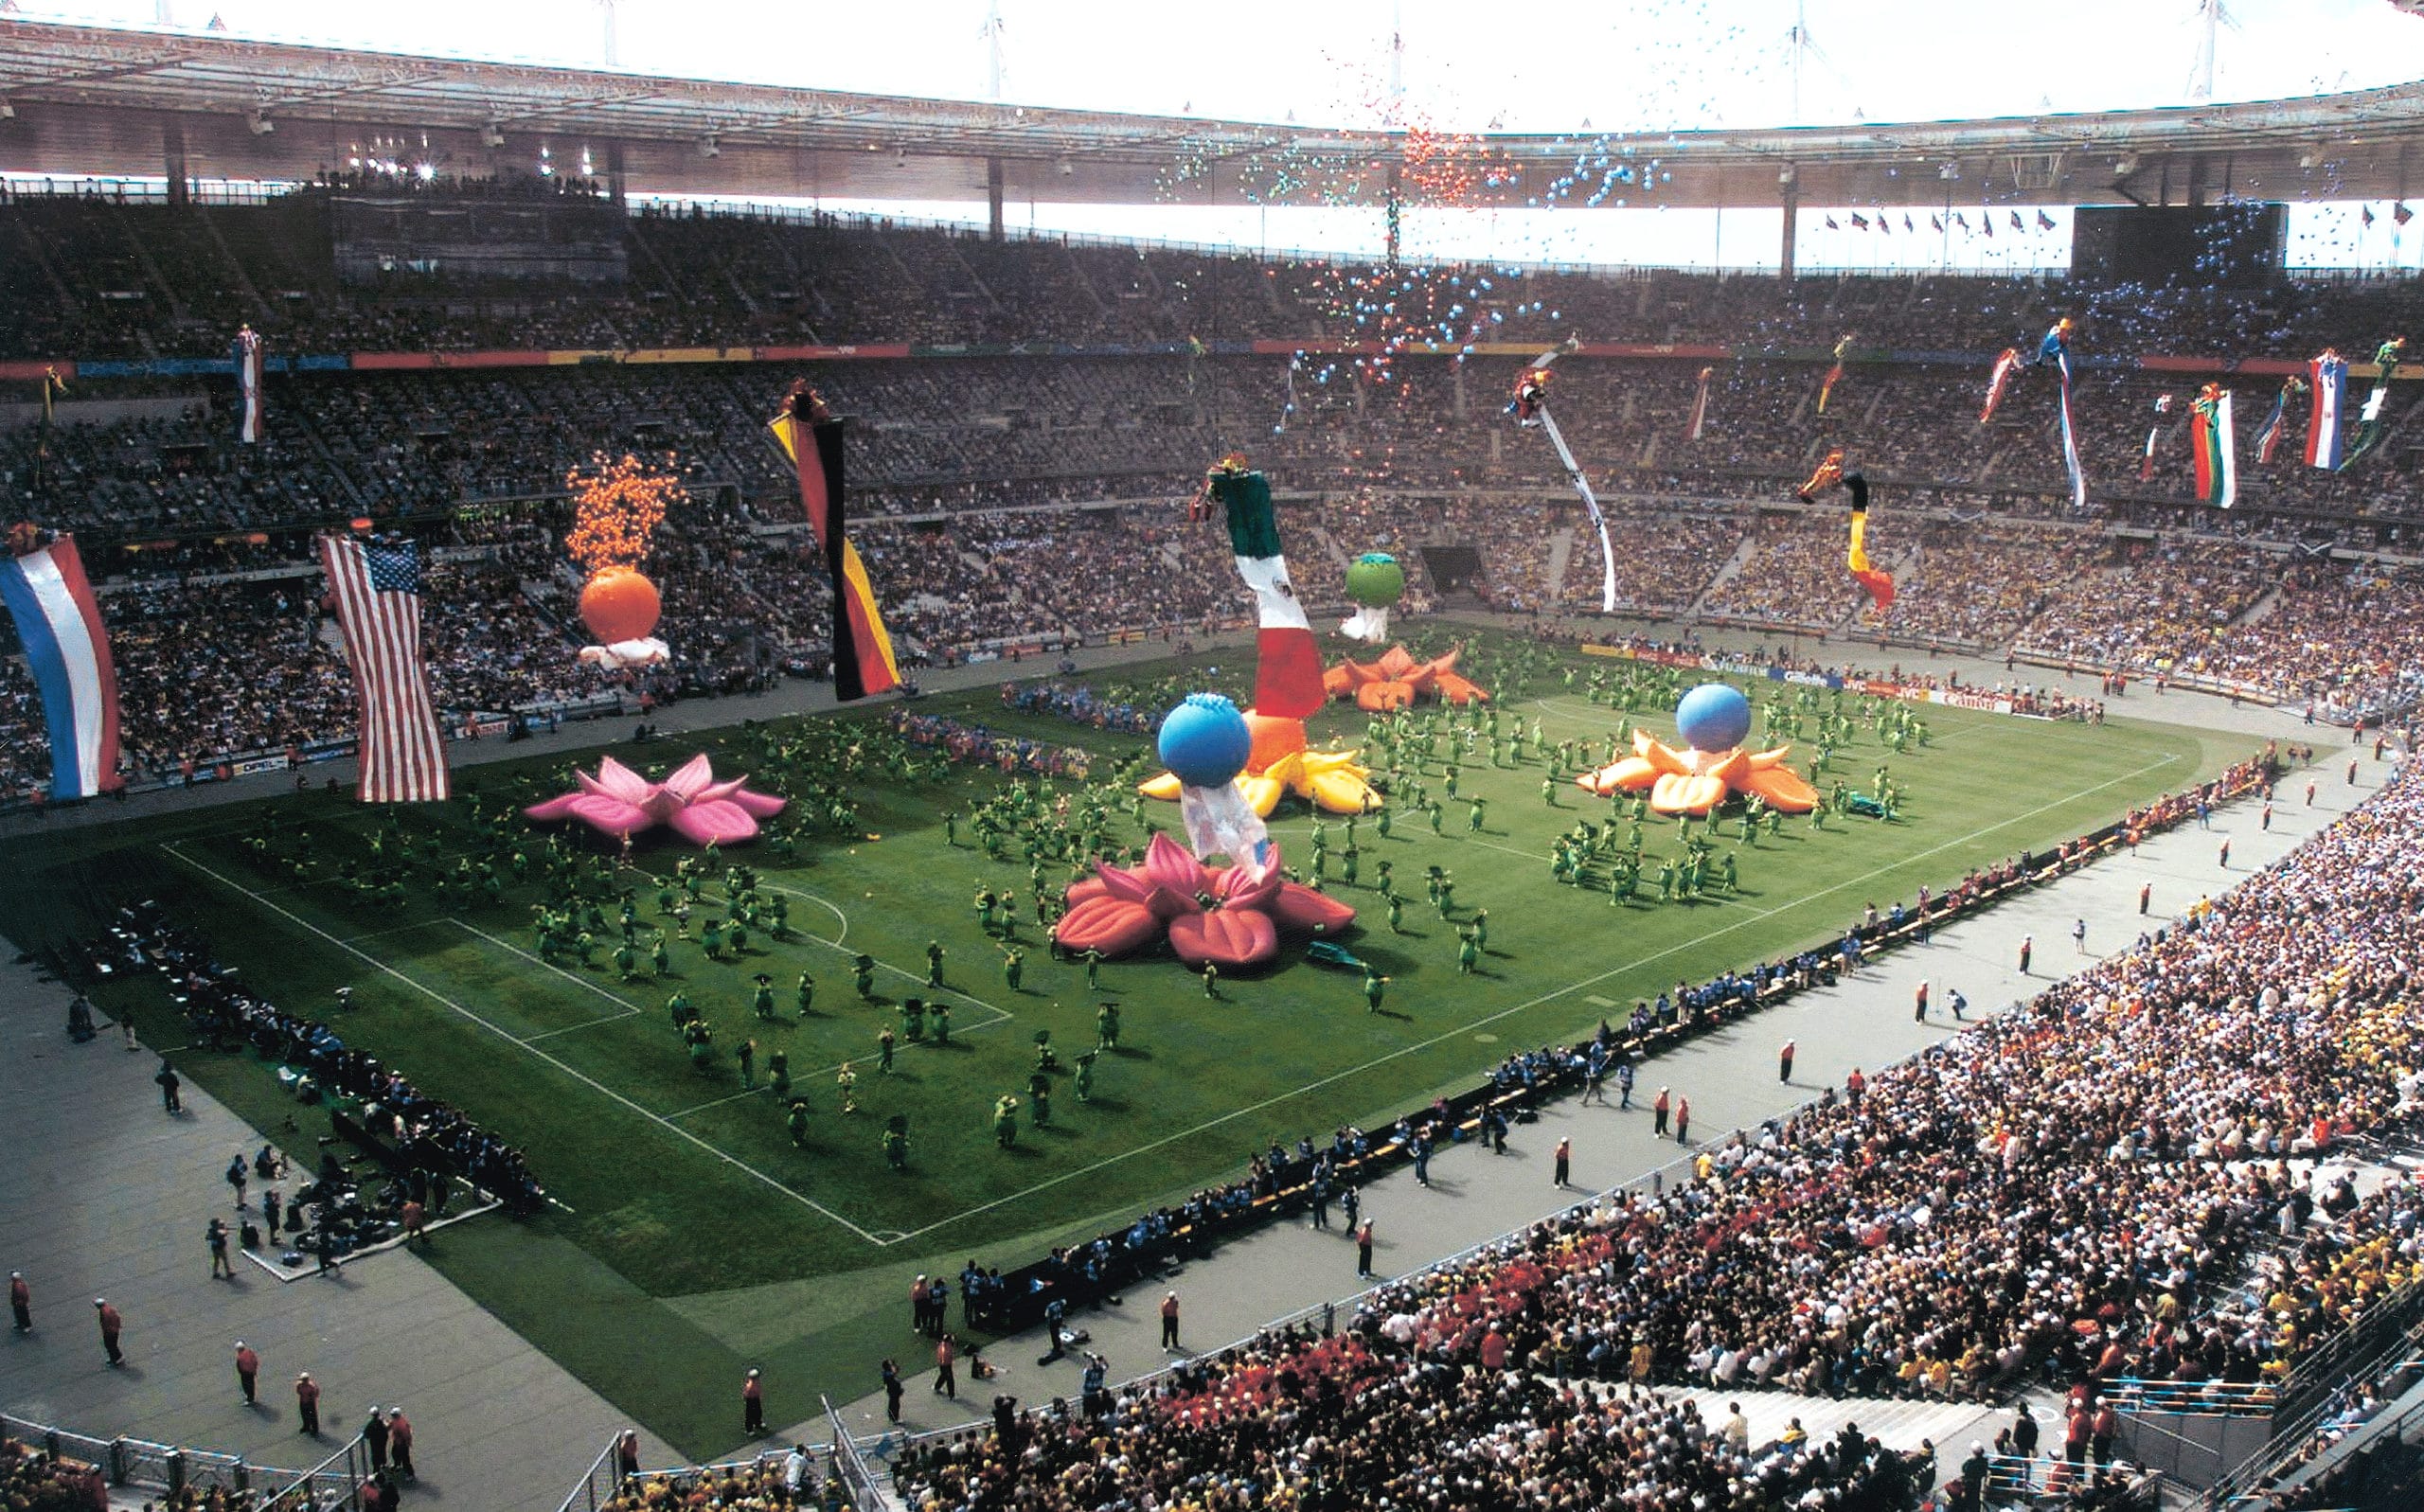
[(33, 1480), (2052, 1193), (1043, 492)]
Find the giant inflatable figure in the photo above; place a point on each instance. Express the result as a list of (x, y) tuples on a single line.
[(1279, 763), (1714, 719)]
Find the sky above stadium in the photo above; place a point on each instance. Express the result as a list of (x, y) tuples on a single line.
[(1544, 66)]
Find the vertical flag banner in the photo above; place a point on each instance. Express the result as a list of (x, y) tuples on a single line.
[(377, 588), (863, 659), (2326, 434), (68, 653), (248, 352), (2268, 436), (1288, 662), (2216, 448), (1699, 405)]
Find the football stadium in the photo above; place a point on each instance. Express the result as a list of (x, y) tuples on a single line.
[(1012, 757)]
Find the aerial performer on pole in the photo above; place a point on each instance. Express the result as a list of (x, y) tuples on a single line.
[(1530, 407), (2369, 419), (2268, 435), (2054, 352), (1830, 474), (1834, 374), (2154, 435)]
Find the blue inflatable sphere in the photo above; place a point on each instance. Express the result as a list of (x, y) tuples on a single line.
[(1205, 740), (1714, 717)]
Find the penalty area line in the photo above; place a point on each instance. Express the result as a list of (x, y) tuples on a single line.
[(507, 1035)]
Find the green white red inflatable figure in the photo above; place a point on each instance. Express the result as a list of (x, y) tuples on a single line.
[(1375, 583)]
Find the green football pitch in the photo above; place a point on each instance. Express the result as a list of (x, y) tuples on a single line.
[(688, 1236)]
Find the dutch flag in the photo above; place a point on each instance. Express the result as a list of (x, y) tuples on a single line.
[(2329, 377), (68, 653)]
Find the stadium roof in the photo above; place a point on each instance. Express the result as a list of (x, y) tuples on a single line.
[(85, 100)]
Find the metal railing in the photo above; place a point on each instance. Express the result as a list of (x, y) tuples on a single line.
[(334, 1485), (2203, 1399), (846, 1466), (141, 1461), (602, 1480)]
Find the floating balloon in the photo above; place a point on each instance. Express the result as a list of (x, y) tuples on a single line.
[(1375, 583), (1205, 740), (1713, 717), (619, 604)]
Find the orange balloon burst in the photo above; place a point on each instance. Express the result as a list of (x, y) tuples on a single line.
[(617, 508)]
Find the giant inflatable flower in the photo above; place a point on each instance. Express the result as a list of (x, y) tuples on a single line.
[(1230, 916), (620, 802), (1282, 763), (1694, 782), (1397, 680)]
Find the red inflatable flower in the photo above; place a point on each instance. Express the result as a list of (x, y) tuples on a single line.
[(1230, 916), (621, 802)]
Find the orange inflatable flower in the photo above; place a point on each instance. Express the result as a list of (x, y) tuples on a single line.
[(1397, 680), (1694, 782)]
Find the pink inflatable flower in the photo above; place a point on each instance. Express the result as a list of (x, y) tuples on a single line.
[(620, 802), (1230, 916)]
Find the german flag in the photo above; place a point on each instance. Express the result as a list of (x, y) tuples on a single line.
[(862, 660)]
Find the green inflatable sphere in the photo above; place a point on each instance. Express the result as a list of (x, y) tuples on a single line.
[(1375, 581)]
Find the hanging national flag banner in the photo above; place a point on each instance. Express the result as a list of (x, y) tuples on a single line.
[(2006, 368), (377, 588), (1288, 662), (67, 651), (2154, 433), (1700, 405), (2268, 436), (863, 658), (2216, 448), (2328, 374), (248, 352)]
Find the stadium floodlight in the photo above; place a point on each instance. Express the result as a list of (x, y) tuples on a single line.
[(259, 122), (1067, 168), (1948, 171), (709, 147), (2124, 164), (492, 134), (7, 111), (1785, 174)]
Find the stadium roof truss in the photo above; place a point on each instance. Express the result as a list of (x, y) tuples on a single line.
[(100, 101)]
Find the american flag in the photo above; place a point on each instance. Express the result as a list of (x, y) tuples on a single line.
[(378, 595)]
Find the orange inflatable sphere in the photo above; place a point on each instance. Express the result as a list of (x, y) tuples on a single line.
[(619, 604), (1273, 737)]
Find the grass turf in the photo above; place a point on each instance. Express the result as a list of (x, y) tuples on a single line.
[(693, 1239)]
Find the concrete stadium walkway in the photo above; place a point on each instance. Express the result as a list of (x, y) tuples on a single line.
[(1730, 1076), (105, 1194)]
